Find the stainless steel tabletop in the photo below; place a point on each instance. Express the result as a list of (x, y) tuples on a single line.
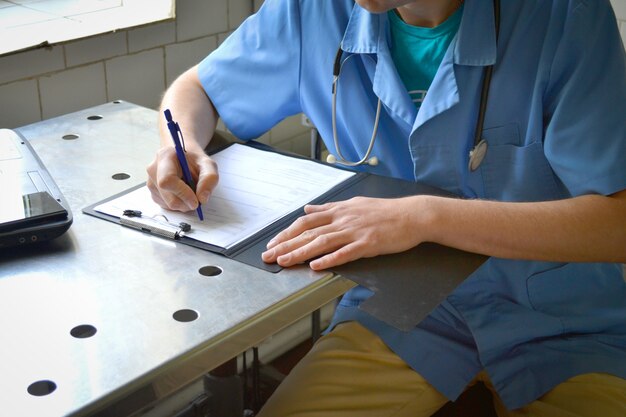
[(98, 318)]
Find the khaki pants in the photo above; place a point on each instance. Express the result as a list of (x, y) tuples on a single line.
[(350, 372)]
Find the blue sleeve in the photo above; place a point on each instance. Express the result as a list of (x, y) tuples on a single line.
[(585, 138), (253, 77)]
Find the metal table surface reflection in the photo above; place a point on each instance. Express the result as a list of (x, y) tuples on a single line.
[(125, 286)]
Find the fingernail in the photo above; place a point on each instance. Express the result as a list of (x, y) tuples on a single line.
[(284, 259), (204, 197), (267, 255), (271, 243)]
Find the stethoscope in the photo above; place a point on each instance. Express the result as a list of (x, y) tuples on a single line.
[(476, 154)]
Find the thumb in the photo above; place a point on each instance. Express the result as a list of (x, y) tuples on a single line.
[(207, 179)]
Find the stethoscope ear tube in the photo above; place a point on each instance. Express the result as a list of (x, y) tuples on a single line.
[(340, 159), (479, 148), (337, 69), (337, 63)]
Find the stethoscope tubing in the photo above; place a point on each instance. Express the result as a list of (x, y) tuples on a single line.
[(479, 148), (342, 160), (484, 94)]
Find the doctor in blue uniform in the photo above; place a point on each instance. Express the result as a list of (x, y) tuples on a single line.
[(543, 321)]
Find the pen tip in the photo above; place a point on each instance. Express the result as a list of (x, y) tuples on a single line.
[(168, 115)]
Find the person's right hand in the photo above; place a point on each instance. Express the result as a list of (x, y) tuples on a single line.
[(166, 184)]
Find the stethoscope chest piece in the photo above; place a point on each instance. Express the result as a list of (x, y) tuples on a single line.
[(477, 154)]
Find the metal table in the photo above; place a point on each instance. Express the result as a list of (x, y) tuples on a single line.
[(106, 317)]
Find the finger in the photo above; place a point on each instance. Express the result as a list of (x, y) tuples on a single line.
[(321, 245), (207, 180), (313, 208), (154, 191), (282, 248), (176, 194), (299, 226), (345, 254)]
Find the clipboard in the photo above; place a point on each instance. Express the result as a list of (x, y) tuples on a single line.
[(249, 250), (407, 285)]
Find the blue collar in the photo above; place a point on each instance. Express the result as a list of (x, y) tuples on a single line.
[(474, 45), (476, 41), (363, 32)]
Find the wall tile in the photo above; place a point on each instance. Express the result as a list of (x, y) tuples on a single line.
[(197, 18), (150, 36), (301, 144), (137, 78), (222, 37), (238, 11), (265, 138), (31, 63), (288, 128), (298, 144), (622, 30), (19, 103), (72, 90), (182, 56), (620, 8), (96, 48)]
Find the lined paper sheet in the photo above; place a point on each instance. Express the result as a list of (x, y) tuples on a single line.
[(255, 189)]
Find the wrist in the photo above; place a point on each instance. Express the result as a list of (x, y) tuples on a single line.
[(428, 217), (193, 146), (190, 145)]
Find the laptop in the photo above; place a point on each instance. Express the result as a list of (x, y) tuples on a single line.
[(32, 208)]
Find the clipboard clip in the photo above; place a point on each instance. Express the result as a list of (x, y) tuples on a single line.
[(156, 225)]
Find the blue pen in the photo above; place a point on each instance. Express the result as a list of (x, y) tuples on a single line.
[(177, 136)]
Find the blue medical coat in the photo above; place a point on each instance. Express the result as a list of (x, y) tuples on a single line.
[(556, 128)]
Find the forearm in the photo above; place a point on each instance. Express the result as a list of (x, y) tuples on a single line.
[(583, 229), (192, 109), (197, 118)]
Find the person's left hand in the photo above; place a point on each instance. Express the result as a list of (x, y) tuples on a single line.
[(347, 230)]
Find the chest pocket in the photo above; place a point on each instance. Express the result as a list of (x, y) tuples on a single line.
[(513, 171)]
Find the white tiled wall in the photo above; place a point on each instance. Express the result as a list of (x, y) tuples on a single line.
[(137, 78), (75, 88), (135, 65), (201, 18), (182, 55)]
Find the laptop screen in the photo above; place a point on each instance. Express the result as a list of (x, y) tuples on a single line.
[(32, 207), (29, 210)]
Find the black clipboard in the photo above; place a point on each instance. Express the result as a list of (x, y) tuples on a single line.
[(249, 250), (407, 285)]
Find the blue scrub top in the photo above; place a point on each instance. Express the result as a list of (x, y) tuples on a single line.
[(556, 128)]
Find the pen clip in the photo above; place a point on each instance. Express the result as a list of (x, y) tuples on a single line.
[(174, 128), (182, 138), (177, 137)]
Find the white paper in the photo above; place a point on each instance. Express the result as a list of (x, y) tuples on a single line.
[(255, 189)]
